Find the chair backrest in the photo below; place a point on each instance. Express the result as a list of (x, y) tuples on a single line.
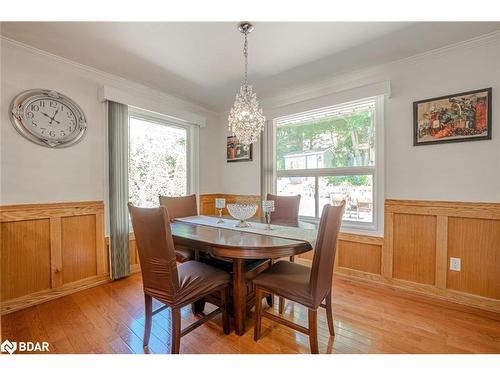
[(324, 251), (156, 250), (180, 206), (286, 208)]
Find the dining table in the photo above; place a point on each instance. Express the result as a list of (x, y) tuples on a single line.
[(241, 245)]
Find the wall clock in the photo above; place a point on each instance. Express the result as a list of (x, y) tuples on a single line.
[(48, 118)]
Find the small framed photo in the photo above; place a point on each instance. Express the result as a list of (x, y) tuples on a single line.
[(453, 118), (237, 152)]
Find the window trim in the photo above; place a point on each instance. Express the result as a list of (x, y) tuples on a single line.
[(192, 136), (376, 171)]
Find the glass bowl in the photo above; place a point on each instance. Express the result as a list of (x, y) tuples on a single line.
[(242, 212)]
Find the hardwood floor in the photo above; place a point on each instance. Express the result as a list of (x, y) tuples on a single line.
[(110, 319)]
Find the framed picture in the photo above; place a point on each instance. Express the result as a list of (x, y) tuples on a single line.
[(236, 151), (453, 118)]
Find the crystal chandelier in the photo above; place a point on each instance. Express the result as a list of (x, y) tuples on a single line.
[(246, 120)]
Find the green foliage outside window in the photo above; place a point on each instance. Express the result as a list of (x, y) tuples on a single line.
[(157, 162), (346, 141)]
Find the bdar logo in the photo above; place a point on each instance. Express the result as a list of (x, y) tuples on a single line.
[(8, 346), (24, 346)]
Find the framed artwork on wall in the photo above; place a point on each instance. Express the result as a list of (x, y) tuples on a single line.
[(236, 151), (453, 118)]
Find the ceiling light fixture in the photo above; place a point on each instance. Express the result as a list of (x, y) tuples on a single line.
[(246, 120)]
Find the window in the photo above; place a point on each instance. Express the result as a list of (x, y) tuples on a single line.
[(159, 159), (329, 155)]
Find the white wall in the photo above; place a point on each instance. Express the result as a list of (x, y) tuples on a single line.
[(212, 155), (468, 171), (34, 174), (241, 177)]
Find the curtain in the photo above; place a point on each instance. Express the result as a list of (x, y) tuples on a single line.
[(267, 160), (118, 189)]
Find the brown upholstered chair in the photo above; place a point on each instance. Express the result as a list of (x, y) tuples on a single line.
[(173, 285), (302, 284), (181, 207), (286, 208)]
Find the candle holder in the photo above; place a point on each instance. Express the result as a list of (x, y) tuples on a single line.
[(267, 208), (220, 203)]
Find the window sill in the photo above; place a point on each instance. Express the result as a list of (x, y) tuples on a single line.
[(368, 229)]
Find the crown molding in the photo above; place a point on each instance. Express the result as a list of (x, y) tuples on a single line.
[(360, 77), (475, 42), (114, 80), (326, 85)]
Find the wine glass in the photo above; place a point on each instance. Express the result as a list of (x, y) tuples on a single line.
[(220, 203), (268, 207)]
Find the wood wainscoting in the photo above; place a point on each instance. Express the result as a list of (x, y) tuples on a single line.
[(356, 253), (420, 238), (49, 250), (207, 202), (360, 253)]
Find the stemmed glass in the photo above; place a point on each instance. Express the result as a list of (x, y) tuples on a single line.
[(220, 203), (268, 207)]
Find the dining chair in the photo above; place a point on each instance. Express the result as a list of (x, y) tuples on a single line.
[(286, 210), (308, 286), (181, 207), (173, 285)]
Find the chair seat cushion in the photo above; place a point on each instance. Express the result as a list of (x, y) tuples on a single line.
[(289, 280), (198, 279), (184, 255)]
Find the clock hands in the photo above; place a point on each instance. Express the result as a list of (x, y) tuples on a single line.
[(52, 119), (46, 115)]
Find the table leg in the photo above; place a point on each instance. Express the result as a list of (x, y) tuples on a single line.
[(239, 296)]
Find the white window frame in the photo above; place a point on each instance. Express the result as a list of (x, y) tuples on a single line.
[(192, 142), (377, 171)]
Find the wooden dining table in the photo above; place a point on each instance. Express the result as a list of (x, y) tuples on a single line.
[(237, 247)]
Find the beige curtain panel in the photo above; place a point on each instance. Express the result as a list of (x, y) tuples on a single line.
[(118, 189)]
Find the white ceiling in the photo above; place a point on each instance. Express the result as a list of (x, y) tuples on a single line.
[(203, 62)]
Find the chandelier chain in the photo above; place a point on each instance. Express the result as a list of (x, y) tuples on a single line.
[(245, 53)]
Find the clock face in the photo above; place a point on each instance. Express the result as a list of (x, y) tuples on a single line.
[(48, 118)]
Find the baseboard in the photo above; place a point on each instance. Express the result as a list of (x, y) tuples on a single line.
[(135, 268), (459, 300), (427, 293), (23, 302)]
